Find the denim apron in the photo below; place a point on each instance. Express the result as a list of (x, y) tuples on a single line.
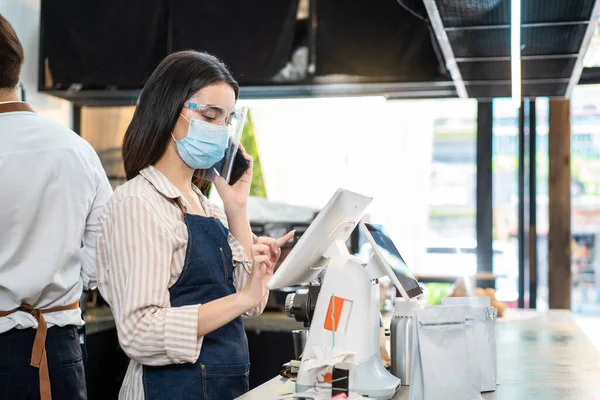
[(221, 371)]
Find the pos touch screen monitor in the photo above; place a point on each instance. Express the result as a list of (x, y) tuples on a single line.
[(334, 223), (390, 262)]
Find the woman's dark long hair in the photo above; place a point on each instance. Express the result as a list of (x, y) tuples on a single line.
[(174, 81)]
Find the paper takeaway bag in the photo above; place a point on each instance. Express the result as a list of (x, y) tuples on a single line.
[(444, 365)]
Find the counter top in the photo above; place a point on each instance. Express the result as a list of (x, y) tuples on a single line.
[(541, 355)]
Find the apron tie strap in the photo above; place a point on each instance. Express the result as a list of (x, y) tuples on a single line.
[(14, 107), (38, 353)]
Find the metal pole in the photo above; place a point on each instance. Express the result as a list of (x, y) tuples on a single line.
[(484, 214), (532, 205), (521, 210)]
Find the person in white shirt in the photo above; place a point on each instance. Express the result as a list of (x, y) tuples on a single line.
[(177, 271), (52, 191)]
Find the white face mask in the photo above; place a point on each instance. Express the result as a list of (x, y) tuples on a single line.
[(204, 145)]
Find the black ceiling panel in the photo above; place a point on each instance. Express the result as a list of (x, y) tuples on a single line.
[(485, 70), (488, 91), (546, 40), (552, 40), (223, 29), (99, 45), (547, 68), (480, 43), (377, 38), (545, 90), (479, 35), (461, 13), (590, 76), (528, 90), (531, 69), (538, 11), (457, 13)]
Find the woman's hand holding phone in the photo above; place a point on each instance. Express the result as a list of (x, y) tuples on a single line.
[(236, 194)]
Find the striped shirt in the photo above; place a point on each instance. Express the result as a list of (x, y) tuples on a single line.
[(142, 240)]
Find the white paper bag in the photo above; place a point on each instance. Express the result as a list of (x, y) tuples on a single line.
[(443, 363), (483, 318), (473, 301), (417, 385), (491, 330)]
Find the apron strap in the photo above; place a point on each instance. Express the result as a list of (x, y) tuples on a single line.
[(38, 353), (14, 107)]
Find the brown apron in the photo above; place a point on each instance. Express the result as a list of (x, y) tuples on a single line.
[(38, 353)]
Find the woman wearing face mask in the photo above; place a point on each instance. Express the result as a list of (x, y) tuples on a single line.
[(177, 271)]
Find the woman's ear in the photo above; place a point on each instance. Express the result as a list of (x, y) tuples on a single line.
[(180, 128)]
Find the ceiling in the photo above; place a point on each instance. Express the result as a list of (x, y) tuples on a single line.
[(400, 49), (475, 39)]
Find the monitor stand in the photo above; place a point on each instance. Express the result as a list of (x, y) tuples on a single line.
[(346, 318)]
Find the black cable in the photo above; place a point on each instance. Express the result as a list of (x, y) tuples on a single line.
[(401, 3)]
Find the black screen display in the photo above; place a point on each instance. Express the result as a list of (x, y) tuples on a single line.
[(392, 255)]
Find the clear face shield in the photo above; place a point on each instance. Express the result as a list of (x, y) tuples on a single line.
[(233, 165)]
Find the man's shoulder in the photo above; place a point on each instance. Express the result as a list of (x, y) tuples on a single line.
[(62, 130), (67, 137), (33, 121), (31, 133), (41, 128)]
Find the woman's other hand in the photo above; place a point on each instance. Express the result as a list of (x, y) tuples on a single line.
[(265, 254), (262, 270), (275, 244)]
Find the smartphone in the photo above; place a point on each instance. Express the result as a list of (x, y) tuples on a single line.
[(239, 167)]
